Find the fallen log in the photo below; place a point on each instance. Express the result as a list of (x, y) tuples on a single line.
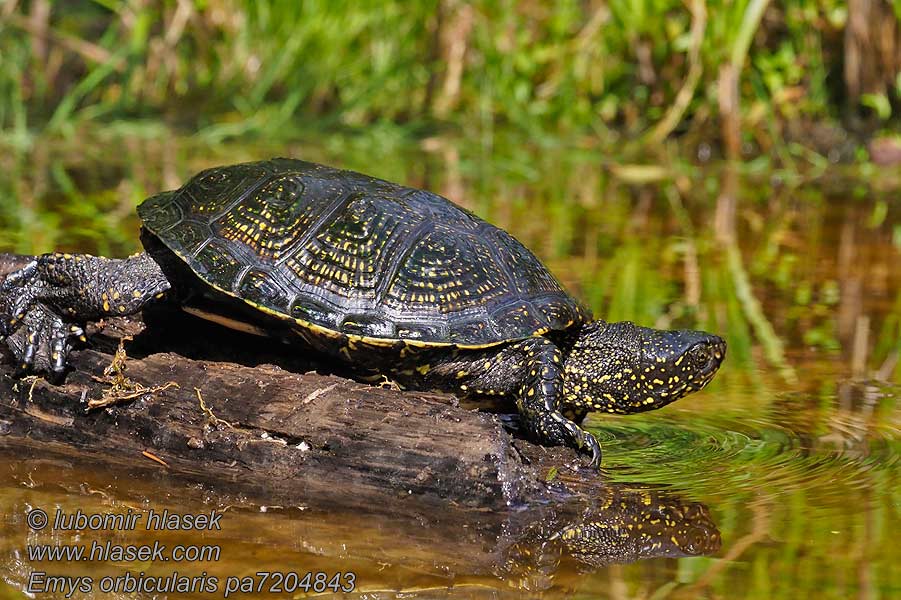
[(226, 419), (216, 404), (299, 436), (478, 553)]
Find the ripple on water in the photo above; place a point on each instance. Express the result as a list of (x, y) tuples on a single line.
[(713, 454)]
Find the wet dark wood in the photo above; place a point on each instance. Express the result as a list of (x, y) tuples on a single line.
[(299, 435), (275, 422), (379, 481)]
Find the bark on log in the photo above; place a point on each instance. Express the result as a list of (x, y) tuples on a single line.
[(431, 477), (298, 436), (244, 410), (396, 546)]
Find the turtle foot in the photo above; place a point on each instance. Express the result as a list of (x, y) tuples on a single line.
[(42, 342)]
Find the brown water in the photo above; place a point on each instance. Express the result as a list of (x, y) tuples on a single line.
[(786, 466)]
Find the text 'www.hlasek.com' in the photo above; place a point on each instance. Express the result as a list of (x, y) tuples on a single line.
[(153, 557)]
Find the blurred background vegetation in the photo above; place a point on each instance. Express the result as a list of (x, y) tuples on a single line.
[(729, 165), (741, 77), (595, 114)]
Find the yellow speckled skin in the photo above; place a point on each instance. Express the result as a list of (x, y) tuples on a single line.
[(621, 526), (381, 276)]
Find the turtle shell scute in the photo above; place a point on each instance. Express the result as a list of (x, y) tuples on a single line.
[(160, 213), (355, 255)]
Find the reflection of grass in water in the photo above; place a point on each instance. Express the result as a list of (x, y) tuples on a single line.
[(799, 517), (632, 253), (705, 453), (888, 342), (42, 207), (643, 252), (741, 287)]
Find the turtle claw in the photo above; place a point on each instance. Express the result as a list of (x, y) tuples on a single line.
[(592, 445), (41, 343), (59, 349), (27, 358), (37, 337)]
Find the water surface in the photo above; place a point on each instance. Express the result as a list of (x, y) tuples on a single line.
[(792, 451)]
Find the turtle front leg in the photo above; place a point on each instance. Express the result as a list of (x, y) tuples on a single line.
[(538, 399), (42, 342), (49, 301), (530, 371)]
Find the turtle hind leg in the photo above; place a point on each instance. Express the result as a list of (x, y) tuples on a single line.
[(48, 301), (538, 399)]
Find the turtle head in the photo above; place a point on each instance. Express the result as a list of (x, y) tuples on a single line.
[(625, 368)]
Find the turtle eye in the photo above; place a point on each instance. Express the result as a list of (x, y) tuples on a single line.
[(700, 354)]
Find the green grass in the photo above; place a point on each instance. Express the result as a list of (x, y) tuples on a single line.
[(639, 69)]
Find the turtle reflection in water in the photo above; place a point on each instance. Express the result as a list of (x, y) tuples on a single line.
[(624, 526), (389, 279)]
